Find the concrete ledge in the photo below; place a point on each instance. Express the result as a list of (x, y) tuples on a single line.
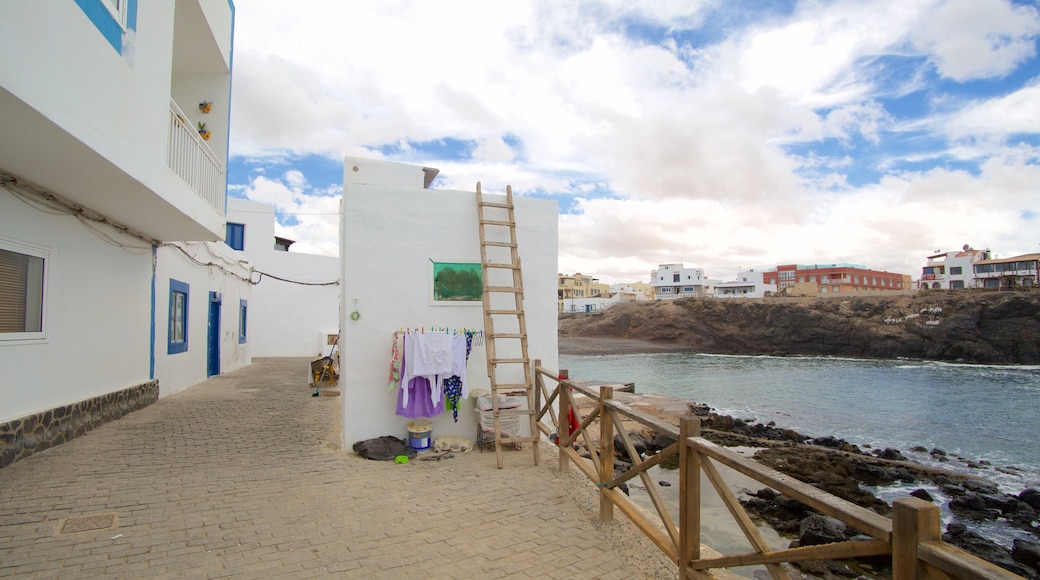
[(21, 438)]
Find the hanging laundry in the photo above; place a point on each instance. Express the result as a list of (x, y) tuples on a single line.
[(415, 397), (394, 378), (430, 369)]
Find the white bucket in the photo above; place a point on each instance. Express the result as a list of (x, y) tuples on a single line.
[(420, 433)]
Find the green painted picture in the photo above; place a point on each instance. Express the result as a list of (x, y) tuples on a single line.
[(457, 282)]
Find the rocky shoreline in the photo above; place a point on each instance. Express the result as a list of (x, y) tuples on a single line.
[(846, 471), (968, 326)]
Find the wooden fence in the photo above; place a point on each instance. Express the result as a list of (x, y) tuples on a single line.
[(912, 538)]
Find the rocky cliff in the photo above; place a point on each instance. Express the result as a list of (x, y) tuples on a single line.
[(966, 326)]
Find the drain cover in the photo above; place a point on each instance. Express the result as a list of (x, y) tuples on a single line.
[(88, 523)]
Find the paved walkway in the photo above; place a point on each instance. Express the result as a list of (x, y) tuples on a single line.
[(241, 475)]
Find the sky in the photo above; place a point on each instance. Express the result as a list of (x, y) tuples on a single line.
[(723, 135)]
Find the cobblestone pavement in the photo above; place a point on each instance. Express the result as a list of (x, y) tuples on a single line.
[(241, 475)]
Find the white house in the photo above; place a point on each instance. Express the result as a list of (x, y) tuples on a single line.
[(628, 293), (672, 281), (951, 270), (394, 231), (102, 167), (295, 302), (749, 284), (1015, 272)]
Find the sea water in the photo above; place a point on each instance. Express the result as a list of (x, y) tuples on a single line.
[(985, 417)]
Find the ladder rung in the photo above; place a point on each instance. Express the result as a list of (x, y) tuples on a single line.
[(517, 312), (496, 223), (496, 204), (518, 412), (500, 244), (496, 361), (506, 335), (502, 265), (515, 387), (508, 440), (506, 289)]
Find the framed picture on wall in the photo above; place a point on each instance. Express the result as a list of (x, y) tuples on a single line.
[(456, 283)]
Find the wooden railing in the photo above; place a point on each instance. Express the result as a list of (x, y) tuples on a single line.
[(912, 538), (192, 160)]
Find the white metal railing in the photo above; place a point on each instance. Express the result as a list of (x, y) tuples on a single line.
[(189, 157)]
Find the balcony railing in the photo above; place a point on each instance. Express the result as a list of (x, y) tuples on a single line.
[(189, 157)]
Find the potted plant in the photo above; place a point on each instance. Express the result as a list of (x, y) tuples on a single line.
[(205, 106), (203, 131)]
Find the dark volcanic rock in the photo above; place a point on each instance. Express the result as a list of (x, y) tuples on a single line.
[(817, 529), (1032, 497), (958, 535), (978, 327)]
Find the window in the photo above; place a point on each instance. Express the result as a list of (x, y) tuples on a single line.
[(675, 277), (236, 236), (958, 284), (22, 276), (956, 270), (243, 309), (687, 289), (665, 290), (178, 332), (118, 8)]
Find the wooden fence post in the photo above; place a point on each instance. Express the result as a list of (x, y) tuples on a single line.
[(606, 452), (563, 422), (913, 521), (689, 494)]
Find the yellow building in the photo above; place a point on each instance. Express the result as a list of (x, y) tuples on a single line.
[(578, 286)]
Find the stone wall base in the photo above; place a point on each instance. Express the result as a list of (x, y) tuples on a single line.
[(21, 438)]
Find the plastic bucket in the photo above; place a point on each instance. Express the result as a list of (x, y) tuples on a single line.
[(420, 433)]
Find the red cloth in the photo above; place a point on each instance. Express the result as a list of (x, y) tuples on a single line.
[(572, 422)]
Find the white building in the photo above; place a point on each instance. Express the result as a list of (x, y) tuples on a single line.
[(951, 270), (1015, 272), (101, 165), (295, 302), (672, 281), (748, 284), (393, 231), (628, 293)]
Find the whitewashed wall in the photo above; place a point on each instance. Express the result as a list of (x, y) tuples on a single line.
[(96, 314), (389, 235), (179, 371), (289, 319)]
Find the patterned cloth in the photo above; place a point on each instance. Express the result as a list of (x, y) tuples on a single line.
[(453, 392)]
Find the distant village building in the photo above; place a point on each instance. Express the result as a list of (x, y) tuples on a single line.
[(580, 293), (1014, 272), (951, 270), (749, 284), (671, 281), (837, 278)]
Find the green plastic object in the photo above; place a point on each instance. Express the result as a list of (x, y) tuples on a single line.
[(401, 459)]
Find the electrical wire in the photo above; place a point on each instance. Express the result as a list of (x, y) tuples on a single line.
[(49, 203)]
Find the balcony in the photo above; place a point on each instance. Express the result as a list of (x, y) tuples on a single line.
[(188, 155)]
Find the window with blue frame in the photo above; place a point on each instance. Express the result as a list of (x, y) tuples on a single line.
[(236, 236), (243, 310), (178, 331)]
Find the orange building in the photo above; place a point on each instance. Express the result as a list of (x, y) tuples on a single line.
[(836, 278)]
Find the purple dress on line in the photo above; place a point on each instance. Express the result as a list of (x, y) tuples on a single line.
[(420, 403)]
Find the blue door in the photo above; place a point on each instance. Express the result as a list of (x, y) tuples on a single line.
[(213, 336)]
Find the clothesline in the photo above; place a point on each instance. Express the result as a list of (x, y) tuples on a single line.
[(476, 333), (433, 366)]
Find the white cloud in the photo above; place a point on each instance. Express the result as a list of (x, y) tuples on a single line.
[(978, 39), (691, 136)]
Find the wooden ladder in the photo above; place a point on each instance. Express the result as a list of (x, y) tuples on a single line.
[(505, 326)]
